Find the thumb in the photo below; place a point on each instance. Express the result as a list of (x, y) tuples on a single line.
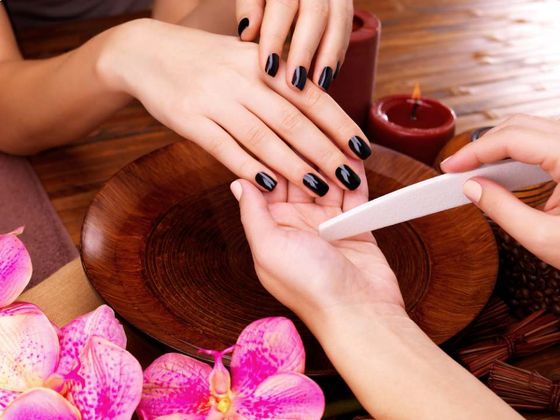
[(535, 230), (249, 18), (255, 215)]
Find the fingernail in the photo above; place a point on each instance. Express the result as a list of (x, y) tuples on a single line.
[(265, 181), (272, 64), (243, 24), (348, 177), (236, 189), (326, 78), (315, 184), (443, 161), (473, 190), (300, 77), (337, 70), (360, 147)]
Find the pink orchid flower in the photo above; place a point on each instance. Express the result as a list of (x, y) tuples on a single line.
[(266, 382), (15, 267), (80, 371)]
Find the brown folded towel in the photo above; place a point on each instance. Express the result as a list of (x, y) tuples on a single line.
[(23, 201)]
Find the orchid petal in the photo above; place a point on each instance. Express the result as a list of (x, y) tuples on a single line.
[(15, 267), (108, 382), (264, 348), (28, 347), (175, 384), (283, 396), (6, 397), (40, 404), (74, 335)]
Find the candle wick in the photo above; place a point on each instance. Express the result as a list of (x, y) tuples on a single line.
[(414, 112)]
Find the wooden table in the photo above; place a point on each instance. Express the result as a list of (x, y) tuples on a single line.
[(485, 58)]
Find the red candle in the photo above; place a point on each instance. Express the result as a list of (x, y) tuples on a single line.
[(353, 87), (416, 127)]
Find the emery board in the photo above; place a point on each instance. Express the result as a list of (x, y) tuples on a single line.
[(427, 197)]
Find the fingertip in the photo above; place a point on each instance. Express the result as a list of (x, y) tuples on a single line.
[(445, 164), (472, 190), (236, 189), (463, 160)]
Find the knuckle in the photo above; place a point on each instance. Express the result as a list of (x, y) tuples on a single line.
[(329, 158), (517, 119), (291, 119), (313, 96), (215, 148), (504, 130), (319, 8), (290, 4), (255, 137), (245, 167)]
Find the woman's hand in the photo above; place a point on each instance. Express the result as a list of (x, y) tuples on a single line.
[(306, 273), (349, 298), (322, 30), (527, 139), (207, 88)]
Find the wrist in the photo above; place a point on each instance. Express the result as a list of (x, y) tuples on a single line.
[(122, 49), (324, 319)]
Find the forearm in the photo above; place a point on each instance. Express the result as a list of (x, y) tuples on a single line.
[(50, 102), (396, 371)]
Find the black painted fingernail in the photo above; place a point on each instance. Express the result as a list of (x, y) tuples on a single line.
[(360, 147), (337, 70), (265, 181), (272, 63), (348, 177), (300, 77), (243, 24), (326, 78), (315, 184)]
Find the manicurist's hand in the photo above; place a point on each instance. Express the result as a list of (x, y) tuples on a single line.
[(322, 30), (208, 89), (303, 271), (349, 298), (527, 139)]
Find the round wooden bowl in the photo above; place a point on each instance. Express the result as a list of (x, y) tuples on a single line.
[(162, 243)]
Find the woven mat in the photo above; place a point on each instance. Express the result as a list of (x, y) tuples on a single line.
[(23, 201)]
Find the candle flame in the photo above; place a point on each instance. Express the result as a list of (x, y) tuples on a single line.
[(416, 93)]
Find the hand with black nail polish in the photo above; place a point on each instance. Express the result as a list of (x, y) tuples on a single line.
[(255, 124), (321, 32)]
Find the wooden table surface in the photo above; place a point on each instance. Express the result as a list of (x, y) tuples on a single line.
[(486, 59)]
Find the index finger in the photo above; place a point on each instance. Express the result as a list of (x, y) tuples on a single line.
[(528, 145)]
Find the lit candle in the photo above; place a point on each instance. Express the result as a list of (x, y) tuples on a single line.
[(413, 125)]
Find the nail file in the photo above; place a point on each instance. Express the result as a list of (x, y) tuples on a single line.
[(427, 197)]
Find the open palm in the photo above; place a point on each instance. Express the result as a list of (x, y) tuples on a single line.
[(303, 270)]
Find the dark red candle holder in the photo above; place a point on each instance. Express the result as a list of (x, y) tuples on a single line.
[(354, 85), (391, 124)]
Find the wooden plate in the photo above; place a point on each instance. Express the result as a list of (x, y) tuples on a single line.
[(163, 244)]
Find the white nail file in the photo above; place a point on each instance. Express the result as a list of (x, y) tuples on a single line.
[(427, 197)]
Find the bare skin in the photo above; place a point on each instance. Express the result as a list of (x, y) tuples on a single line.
[(349, 297), (206, 87)]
